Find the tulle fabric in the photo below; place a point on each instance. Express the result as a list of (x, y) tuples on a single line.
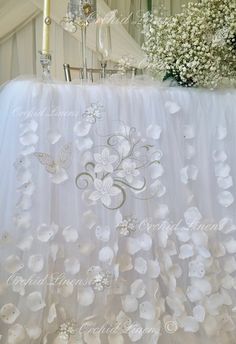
[(84, 170)]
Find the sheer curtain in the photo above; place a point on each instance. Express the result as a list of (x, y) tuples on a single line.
[(19, 54), (127, 6), (20, 43), (19, 48), (136, 7)]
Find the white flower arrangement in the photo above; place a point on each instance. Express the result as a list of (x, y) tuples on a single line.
[(196, 47)]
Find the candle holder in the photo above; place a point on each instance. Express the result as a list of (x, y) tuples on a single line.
[(46, 60), (80, 13)]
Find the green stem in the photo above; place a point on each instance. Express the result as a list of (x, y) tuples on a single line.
[(149, 5)]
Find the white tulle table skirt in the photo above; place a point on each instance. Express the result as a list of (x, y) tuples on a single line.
[(118, 217)]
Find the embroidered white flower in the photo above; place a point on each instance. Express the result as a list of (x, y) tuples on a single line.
[(127, 226), (105, 189), (93, 113), (129, 171), (102, 281), (69, 328), (104, 161)]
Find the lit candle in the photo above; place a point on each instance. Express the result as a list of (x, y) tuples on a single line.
[(46, 26)]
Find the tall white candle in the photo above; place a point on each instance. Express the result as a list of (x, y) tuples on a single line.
[(46, 26)]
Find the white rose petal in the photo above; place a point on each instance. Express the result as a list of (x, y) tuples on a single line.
[(186, 251), (135, 333), (133, 246), (153, 269), (175, 304), (230, 265), (23, 220), (203, 252), (221, 132), (228, 282), (190, 324), (106, 255), (147, 311), (34, 332), (227, 226), (25, 202), (162, 237), (138, 288), (199, 238), (13, 264), (222, 170), (189, 152), (28, 150), (16, 334), (157, 188), (29, 139), (213, 303), (36, 263), (189, 132), (199, 313), (53, 136), (54, 251), (25, 243), (29, 125), (188, 173), (86, 297), (194, 294), (84, 144), (154, 132), (203, 285), (219, 156), (60, 177), (52, 313), (103, 233), (35, 301), (172, 107), (196, 269), (82, 128), (9, 313), (145, 242), (230, 246), (157, 171), (225, 198), (72, 266), (183, 234), (225, 183), (162, 211), (70, 234), (192, 217), (129, 303), (47, 232), (140, 265)]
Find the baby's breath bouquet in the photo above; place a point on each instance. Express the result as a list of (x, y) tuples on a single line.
[(196, 47)]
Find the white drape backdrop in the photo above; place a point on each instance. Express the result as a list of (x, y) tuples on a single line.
[(19, 54), (21, 31)]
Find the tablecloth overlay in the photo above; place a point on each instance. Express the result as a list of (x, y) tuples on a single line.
[(117, 219)]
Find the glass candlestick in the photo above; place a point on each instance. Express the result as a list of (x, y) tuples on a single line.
[(84, 52), (80, 13), (46, 60)]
